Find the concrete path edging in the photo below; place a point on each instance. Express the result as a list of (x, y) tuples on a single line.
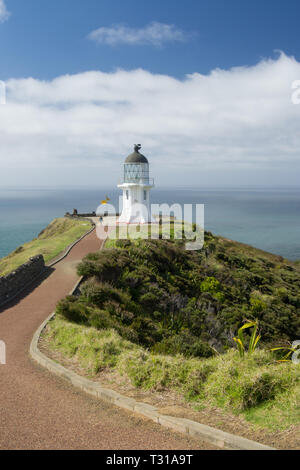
[(194, 429)]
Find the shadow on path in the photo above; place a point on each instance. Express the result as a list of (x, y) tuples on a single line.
[(27, 290)]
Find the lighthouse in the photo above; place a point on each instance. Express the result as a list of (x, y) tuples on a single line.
[(136, 186)]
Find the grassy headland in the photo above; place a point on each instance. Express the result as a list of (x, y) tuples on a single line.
[(53, 240), (165, 318)]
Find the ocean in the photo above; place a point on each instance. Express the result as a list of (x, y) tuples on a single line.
[(265, 218)]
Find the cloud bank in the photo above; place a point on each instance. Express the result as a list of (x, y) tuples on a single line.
[(4, 13), (83, 126), (155, 34)]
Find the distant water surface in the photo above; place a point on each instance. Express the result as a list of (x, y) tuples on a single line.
[(266, 218)]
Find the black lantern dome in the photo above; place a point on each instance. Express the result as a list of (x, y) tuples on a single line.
[(136, 167), (136, 156)]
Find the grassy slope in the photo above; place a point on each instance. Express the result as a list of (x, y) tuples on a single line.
[(59, 234), (253, 283), (264, 391)]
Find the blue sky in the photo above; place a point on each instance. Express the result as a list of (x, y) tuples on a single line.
[(45, 39), (204, 85)]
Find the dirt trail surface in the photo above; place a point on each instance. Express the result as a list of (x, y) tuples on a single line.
[(41, 411)]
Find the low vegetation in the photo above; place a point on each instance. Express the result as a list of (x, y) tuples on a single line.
[(169, 300), (166, 318), (59, 234), (264, 391)]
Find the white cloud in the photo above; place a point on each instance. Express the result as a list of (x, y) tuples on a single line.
[(4, 13), (154, 34), (82, 126)]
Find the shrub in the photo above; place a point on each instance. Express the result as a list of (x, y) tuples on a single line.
[(107, 265), (99, 292), (149, 300), (257, 305), (211, 285), (101, 320), (72, 310), (146, 331), (183, 343)]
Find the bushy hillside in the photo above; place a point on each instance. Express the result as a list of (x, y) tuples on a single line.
[(156, 294)]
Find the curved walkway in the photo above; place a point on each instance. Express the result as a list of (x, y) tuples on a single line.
[(41, 411)]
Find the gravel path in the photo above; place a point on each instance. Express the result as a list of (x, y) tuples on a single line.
[(40, 411)]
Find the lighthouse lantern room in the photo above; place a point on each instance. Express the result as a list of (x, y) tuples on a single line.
[(136, 186)]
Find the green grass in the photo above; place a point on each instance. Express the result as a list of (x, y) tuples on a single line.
[(262, 390), (91, 348), (59, 234), (169, 229)]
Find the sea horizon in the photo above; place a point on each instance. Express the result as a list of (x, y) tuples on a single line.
[(264, 217)]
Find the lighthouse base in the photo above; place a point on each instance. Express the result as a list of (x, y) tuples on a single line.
[(136, 207)]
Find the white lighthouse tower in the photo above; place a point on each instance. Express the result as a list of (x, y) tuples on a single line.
[(136, 186)]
